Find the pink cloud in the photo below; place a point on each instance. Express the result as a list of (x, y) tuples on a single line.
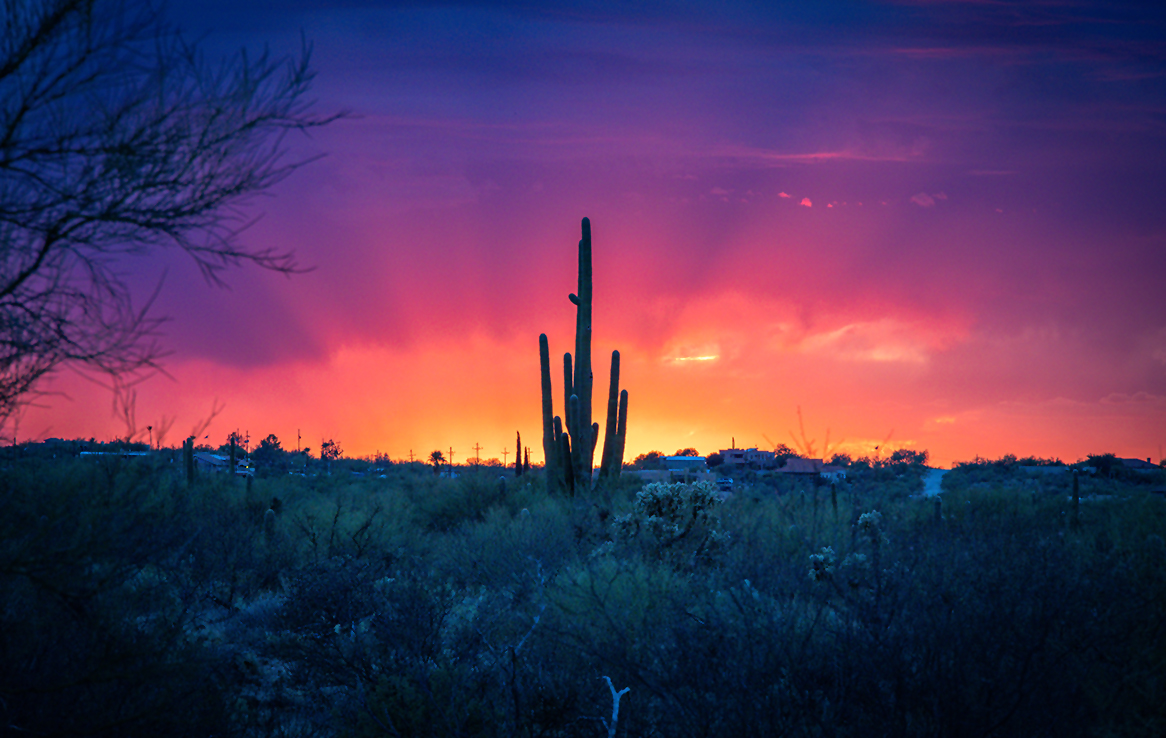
[(782, 194), (806, 202), (923, 200)]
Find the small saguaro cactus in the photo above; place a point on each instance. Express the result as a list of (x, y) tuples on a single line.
[(569, 447), (234, 457), (1075, 520), (188, 457), (269, 525)]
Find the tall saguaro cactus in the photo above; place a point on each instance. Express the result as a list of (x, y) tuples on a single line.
[(518, 456), (570, 448), (188, 457)]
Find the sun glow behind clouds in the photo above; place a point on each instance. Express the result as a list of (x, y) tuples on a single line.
[(880, 342), (690, 354)]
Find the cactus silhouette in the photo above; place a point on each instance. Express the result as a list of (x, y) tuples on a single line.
[(570, 451), (234, 459), (1075, 518), (188, 457), (269, 525)]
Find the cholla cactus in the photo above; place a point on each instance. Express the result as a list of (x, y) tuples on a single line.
[(871, 525), (854, 560), (676, 516), (869, 522), (822, 564), (668, 509)]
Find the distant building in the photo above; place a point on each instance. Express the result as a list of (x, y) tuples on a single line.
[(733, 456), (648, 475), (798, 465), (219, 463), (833, 473), (758, 459), (685, 463), (812, 467), (688, 469), (691, 474), (748, 458), (1139, 465), (211, 462)]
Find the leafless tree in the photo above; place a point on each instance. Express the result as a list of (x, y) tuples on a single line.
[(118, 138)]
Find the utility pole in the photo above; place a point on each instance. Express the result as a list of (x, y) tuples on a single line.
[(410, 456), (451, 458), (477, 454), (505, 453)]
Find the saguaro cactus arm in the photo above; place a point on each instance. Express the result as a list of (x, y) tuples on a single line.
[(564, 457), (621, 431), (568, 390), (609, 441), (550, 442), (579, 443)]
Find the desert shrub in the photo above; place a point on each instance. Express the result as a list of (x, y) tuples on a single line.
[(344, 524), (700, 658), (433, 606), (443, 503), (401, 649), (516, 553), (98, 627)]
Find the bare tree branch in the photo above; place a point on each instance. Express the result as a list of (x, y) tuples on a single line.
[(117, 137)]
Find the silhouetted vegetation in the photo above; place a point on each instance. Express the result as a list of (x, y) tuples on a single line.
[(387, 600), (121, 138), (570, 441)]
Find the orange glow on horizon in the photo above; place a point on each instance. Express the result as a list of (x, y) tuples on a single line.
[(371, 399)]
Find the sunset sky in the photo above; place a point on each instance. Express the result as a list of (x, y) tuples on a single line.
[(942, 223)]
